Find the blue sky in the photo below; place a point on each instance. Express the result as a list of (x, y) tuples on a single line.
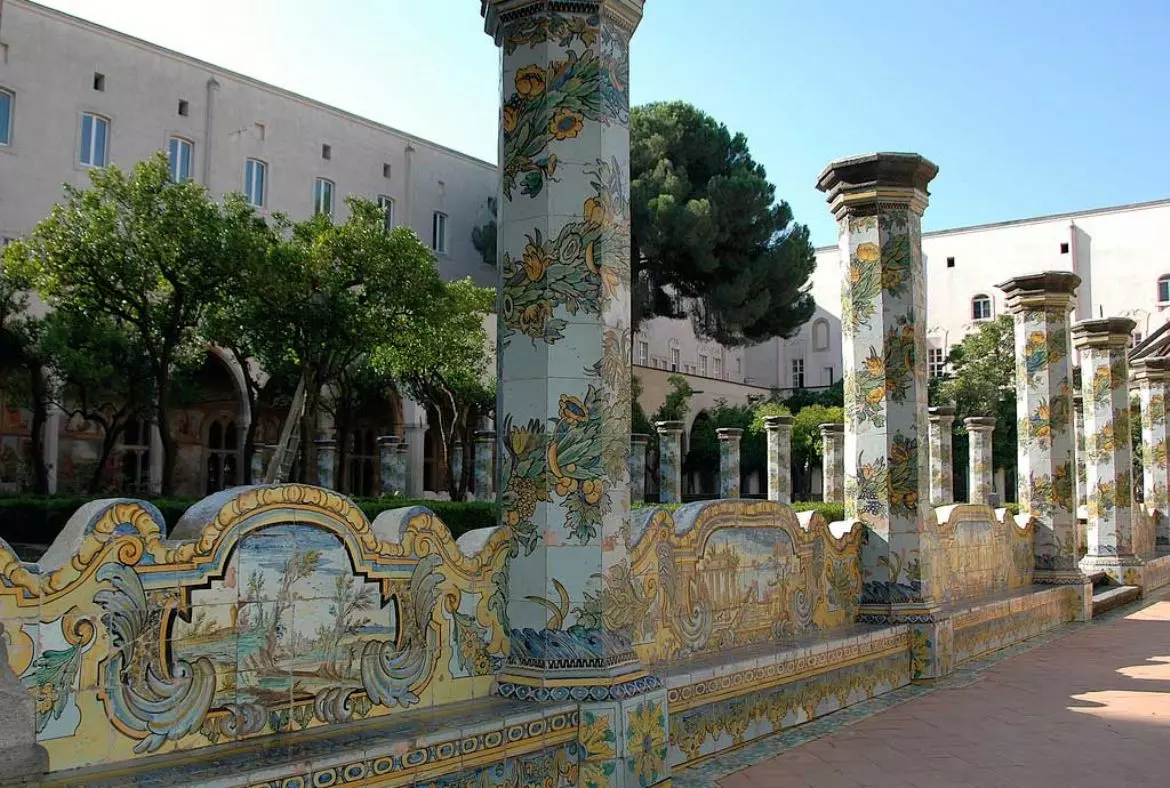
[(1028, 107)]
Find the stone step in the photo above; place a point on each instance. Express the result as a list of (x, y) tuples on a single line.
[(1110, 598), (1098, 578)]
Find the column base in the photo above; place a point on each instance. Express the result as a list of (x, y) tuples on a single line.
[(572, 665), (932, 636), (624, 743), (1125, 570)]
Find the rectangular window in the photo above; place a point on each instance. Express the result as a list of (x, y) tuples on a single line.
[(950, 262), (703, 365), (5, 117), (385, 170), (674, 358), (718, 362), (323, 197), (439, 232), (387, 206), (1163, 290), (184, 107), (798, 373), (95, 132), (738, 366), (326, 152), (829, 380), (255, 175), (179, 154), (936, 362), (99, 82), (1064, 248), (643, 352)]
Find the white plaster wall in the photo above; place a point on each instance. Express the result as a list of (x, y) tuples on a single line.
[(50, 65), (769, 364), (661, 334)]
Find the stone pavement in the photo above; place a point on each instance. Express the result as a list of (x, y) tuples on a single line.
[(1086, 706)]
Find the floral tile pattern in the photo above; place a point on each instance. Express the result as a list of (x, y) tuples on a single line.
[(779, 447), (980, 465), (942, 466), (832, 463), (729, 439)]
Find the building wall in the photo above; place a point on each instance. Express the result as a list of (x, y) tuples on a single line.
[(656, 338), (817, 345), (51, 62)]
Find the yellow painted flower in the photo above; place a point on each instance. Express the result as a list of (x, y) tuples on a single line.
[(47, 696), (533, 317), (572, 409), (591, 490), (511, 115), (854, 274), (899, 454), (646, 742), (566, 124), (530, 81), (875, 395), (565, 485), (868, 252), (875, 366), (609, 281), (535, 261), (911, 499), (891, 278), (595, 211), (1036, 339)]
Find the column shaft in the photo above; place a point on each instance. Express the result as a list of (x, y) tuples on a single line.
[(485, 445), (387, 455), (1153, 379), (638, 445), (729, 441), (669, 461), (779, 429), (1079, 448), (980, 459), (326, 460), (942, 466), (833, 462)]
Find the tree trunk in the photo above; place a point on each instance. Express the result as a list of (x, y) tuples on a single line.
[(39, 419), (110, 433), (309, 429), (167, 438), (468, 462)]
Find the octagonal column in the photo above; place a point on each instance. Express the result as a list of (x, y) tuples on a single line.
[(779, 430), (1045, 444), (878, 200), (638, 448), (564, 356), (1079, 453), (387, 455), (669, 461), (1152, 376), (980, 464), (326, 459), (402, 456), (1103, 345), (729, 440), (485, 446), (833, 462), (942, 467)]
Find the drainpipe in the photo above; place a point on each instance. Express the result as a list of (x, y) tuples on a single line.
[(208, 128), (409, 185)]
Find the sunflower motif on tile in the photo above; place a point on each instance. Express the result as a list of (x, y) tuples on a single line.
[(646, 742), (863, 283), (1124, 487), (543, 28), (1100, 445), (896, 261), (1154, 412), (1102, 499), (903, 475), (579, 270)]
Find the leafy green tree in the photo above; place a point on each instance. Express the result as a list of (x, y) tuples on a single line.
[(144, 251), (806, 444), (709, 239), (983, 383), (441, 361), (334, 295), (483, 237), (21, 364), (98, 372), (678, 400)]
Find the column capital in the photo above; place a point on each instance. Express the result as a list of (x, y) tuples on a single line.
[(1106, 332), (668, 427), (1047, 290), (941, 413), (1151, 370), (776, 422), (388, 440), (727, 433), (485, 436), (979, 422), (858, 184), (327, 439), (498, 14), (830, 430), (639, 438)]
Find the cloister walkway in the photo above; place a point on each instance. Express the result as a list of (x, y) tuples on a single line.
[(1088, 705)]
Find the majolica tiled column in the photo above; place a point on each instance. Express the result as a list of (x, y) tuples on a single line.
[(980, 465), (833, 462), (1103, 345), (326, 459), (669, 461), (1078, 419), (1045, 441), (779, 430), (256, 469), (387, 451), (485, 445), (942, 467), (1152, 376), (878, 200), (401, 462), (564, 362), (729, 439), (638, 447), (456, 463)]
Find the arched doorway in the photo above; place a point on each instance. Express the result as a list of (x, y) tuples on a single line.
[(358, 429), (701, 458), (222, 454), (210, 430)]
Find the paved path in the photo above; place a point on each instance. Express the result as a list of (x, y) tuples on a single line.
[(1090, 707)]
